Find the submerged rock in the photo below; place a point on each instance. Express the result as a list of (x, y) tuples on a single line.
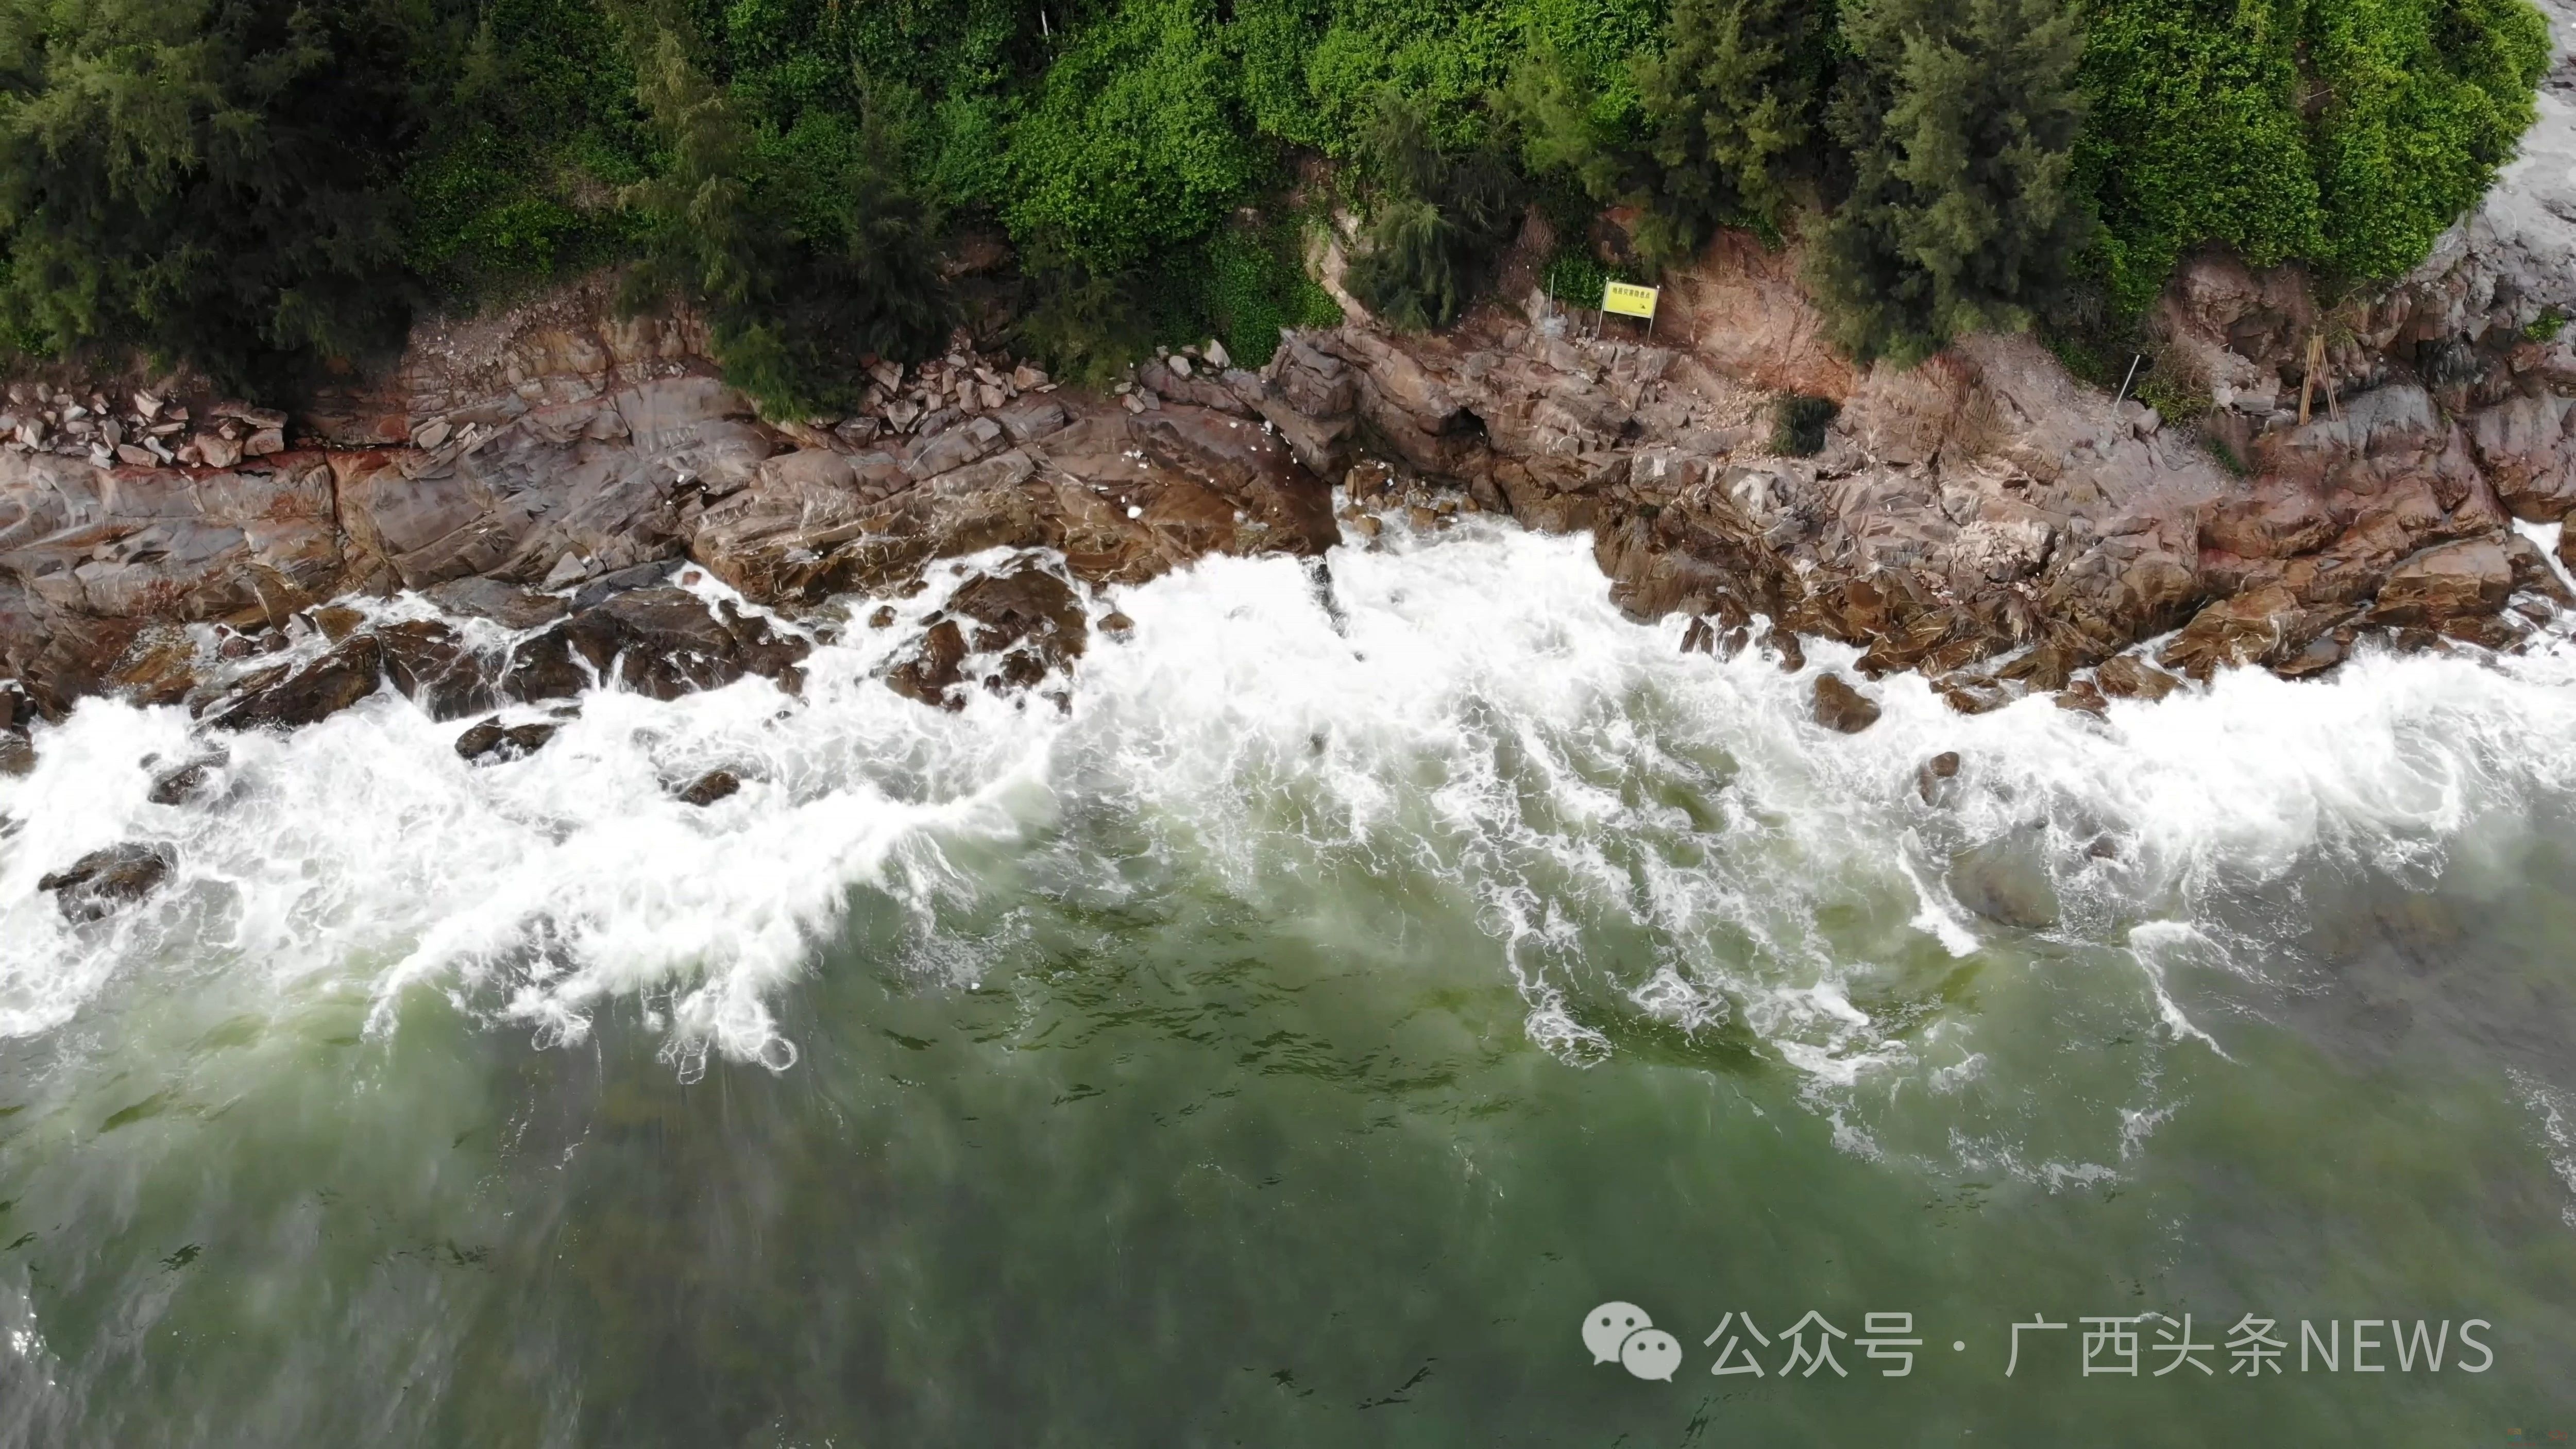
[(2006, 880), (99, 883), (187, 782), (708, 788)]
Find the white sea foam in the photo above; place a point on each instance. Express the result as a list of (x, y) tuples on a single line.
[(1636, 830)]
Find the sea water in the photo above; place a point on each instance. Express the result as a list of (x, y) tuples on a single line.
[(1370, 969)]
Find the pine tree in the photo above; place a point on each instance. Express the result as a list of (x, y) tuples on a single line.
[(1721, 118), (1729, 104), (808, 250), (1440, 218), (1960, 117), (214, 180)]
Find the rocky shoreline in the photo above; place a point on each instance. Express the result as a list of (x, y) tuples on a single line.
[(564, 491)]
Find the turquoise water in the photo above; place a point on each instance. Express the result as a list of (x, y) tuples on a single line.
[(1292, 1043)]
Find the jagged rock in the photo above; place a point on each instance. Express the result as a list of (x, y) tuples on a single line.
[(1029, 620), (1969, 695), (663, 642), (1840, 707), (2264, 626), (2084, 697), (708, 788), (2527, 445), (432, 667), (2444, 583), (930, 672), (301, 694), (2126, 676), (507, 605), (492, 743), (17, 753), (1941, 767), (2532, 573), (98, 883)]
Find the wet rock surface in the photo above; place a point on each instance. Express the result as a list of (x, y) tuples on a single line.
[(1842, 708), (708, 788), (493, 743), (104, 881)]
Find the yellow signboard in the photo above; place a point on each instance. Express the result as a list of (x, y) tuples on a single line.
[(1628, 299)]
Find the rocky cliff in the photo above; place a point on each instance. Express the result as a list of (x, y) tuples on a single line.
[(555, 498)]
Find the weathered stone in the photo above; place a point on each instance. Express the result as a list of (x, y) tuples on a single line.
[(302, 694), (99, 883), (492, 743), (2451, 581), (2126, 676), (507, 605), (1840, 707)]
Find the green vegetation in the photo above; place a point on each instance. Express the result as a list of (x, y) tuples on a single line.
[(268, 188), (2341, 133), (1798, 423)]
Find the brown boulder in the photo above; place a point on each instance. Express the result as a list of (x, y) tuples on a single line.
[(2126, 676), (930, 672), (492, 743), (101, 881), (661, 642), (433, 668), (302, 694), (1838, 706), (2450, 581), (2261, 626)]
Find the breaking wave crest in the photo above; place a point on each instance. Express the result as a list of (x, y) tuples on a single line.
[(1663, 850)]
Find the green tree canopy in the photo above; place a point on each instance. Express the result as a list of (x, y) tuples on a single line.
[(1959, 118), (213, 180)]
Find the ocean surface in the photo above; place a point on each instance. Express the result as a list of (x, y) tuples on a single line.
[(1371, 971)]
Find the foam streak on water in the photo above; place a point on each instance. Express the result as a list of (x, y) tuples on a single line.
[(1643, 836)]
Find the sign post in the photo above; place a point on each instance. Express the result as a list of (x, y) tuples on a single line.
[(1630, 300)]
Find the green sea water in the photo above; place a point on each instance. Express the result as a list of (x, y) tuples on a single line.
[(1294, 1041)]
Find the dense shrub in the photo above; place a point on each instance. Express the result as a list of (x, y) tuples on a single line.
[(2343, 133), (1798, 423), (1131, 142)]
